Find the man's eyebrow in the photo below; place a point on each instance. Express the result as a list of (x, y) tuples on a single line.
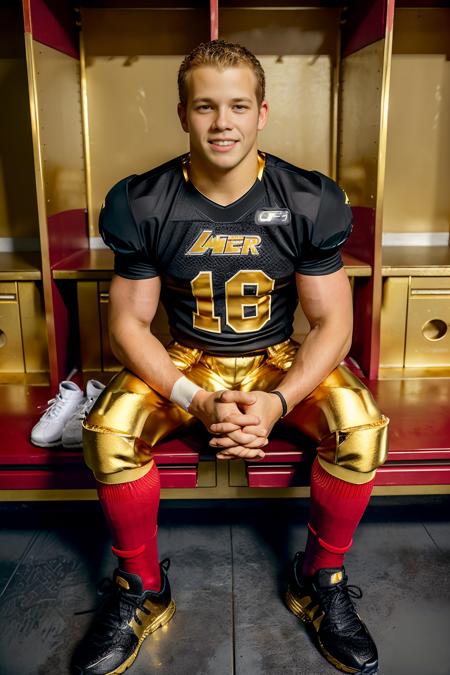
[(206, 99)]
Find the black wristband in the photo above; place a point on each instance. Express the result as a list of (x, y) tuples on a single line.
[(283, 402)]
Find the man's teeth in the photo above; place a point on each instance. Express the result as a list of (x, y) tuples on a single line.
[(223, 142)]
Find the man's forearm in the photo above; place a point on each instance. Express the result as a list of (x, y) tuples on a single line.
[(144, 355), (322, 350)]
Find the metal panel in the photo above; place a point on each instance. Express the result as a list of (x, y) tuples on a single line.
[(34, 332), (18, 216), (11, 353), (359, 122), (60, 128), (418, 150), (89, 320), (393, 321), (299, 133), (428, 326)]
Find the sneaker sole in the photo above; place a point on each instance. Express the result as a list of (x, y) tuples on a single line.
[(53, 444), (295, 607), (160, 621)]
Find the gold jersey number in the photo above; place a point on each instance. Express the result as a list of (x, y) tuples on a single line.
[(247, 301)]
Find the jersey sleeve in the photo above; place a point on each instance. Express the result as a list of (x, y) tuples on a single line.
[(121, 233), (320, 252)]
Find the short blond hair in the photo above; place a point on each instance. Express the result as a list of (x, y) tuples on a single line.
[(221, 54)]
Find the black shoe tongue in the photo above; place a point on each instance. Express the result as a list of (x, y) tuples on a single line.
[(129, 582), (329, 577)]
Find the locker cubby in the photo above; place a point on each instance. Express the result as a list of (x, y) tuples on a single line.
[(337, 77), (415, 252)]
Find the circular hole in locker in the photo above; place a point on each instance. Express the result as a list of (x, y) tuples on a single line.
[(435, 329), (2, 339)]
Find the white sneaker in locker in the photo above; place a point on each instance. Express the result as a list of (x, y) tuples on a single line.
[(48, 431), (73, 431)]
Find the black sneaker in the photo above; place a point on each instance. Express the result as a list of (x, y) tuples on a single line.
[(323, 602), (125, 618)]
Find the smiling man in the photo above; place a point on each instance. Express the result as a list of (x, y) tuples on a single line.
[(229, 239)]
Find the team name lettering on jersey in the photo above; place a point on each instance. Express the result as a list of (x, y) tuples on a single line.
[(225, 244)]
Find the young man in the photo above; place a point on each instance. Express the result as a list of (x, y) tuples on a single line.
[(229, 239)]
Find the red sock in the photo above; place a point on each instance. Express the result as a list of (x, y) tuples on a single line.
[(131, 510), (335, 511)]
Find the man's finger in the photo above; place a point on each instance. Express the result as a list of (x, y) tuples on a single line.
[(233, 396), (240, 453), (241, 419)]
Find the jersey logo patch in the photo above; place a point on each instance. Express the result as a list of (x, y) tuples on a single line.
[(273, 217), (224, 244)]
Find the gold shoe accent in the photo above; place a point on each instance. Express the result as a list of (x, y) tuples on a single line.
[(160, 621), (295, 606)]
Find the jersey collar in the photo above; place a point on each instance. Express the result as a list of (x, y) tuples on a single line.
[(231, 212)]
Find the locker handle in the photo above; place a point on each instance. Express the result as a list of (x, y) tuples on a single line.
[(104, 296), (8, 297), (430, 291)]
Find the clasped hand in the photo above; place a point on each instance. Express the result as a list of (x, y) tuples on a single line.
[(239, 421)]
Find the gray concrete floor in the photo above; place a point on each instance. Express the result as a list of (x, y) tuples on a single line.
[(227, 576)]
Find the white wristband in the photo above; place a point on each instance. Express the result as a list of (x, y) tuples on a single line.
[(183, 391)]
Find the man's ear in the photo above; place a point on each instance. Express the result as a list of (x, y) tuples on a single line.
[(181, 109), (263, 115)]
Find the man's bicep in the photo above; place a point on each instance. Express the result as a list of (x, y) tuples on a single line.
[(135, 300), (325, 296)]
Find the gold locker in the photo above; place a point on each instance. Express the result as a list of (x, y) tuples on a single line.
[(428, 322), (11, 350)]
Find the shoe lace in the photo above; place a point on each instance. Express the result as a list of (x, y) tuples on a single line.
[(339, 607), (54, 406), (115, 606)]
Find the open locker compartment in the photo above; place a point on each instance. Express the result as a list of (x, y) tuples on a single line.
[(328, 74)]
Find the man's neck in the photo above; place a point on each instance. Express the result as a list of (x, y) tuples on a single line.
[(224, 187)]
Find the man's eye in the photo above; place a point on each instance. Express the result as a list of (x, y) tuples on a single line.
[(203, 107), (240, 108)]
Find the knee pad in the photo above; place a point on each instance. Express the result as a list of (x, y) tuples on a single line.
[(115, 457), (360, 448)]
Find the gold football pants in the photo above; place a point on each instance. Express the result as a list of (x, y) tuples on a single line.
[(130, 417)]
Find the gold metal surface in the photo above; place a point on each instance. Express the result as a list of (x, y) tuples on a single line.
[(238, 473), (60, 128), (130, 417), (18, 215), (416, 261), (134, 32), (86, 135), (287, 31), (423, 30), (11, 351), (34, 334), (206, 474), (394, 307), (428, 324), (41, 203), (89, 321), (129, 77), (19, 266), (359, 123), (299, 133), (214, 493), (418, 150)]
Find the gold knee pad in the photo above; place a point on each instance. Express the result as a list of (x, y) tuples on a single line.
[(352, 432), (128, 419), (114, 457), (354, 454)]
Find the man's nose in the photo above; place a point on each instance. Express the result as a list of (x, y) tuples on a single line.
[(222, 119)]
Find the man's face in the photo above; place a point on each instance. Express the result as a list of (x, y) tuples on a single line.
[(222, 115)]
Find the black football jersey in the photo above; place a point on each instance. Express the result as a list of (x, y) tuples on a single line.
[(227, 272)]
